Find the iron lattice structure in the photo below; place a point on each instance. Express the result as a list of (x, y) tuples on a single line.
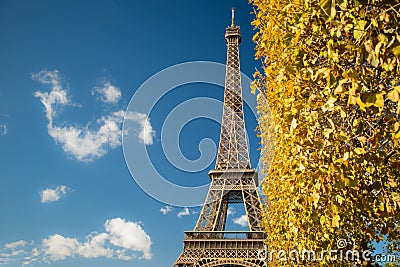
[(232, 181)]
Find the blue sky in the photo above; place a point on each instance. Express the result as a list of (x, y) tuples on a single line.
[(68, 72)]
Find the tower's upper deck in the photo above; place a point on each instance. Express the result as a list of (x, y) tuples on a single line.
[(232, 33)]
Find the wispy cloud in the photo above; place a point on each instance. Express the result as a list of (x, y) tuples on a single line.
[(185, 212), (242, 221), (14, 245), (230, 211), (166, 210), (107, 92), (3, 128), (13, 250), (121, 240), (51, 195), (3, 125), (146, 132), (87, 143)]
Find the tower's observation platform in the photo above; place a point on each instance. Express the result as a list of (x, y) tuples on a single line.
[(208, 248)]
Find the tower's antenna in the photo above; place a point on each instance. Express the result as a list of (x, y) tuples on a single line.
[(233, 16)]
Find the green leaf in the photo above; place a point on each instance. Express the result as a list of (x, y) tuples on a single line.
[(350, 182), (328, 7)]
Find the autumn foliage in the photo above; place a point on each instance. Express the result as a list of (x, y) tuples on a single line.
[(331, 75)]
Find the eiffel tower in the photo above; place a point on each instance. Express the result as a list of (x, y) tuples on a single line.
[(232, 181)]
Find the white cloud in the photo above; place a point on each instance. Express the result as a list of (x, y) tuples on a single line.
[(32, 257), (3, 129), (56, 98), (52, 195), (4, 261), (95, 247), (10, 251), (230, 211), (242, 221), (87, 143), (122, 240), (3, 125), (57, 247), (129, 235), (108, 93), (166, 210), (146, 132), (185, 212), (13, 253), (14, 245)]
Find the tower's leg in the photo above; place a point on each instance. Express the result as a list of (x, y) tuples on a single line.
[(210, 213), (252, 204), (222, 213)]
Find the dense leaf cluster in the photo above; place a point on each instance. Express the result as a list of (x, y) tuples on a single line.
[(331, 75)]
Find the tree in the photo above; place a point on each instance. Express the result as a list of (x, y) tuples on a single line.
[(331, 75)]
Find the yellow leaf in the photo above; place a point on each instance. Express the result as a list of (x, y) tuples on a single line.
[(343, 114), (335, 221), (397, 135), (296, 38), (340, 199), (339, 89), (327, 132), (335, 208), (352, 100), (393, 95), (302, 168), (398, 108), (388, 205), (362, 139), (293, 125), (360, 103), (329, 105), (396, 50), (328, 7), (392, 182), (322, 220), (359, 151), (374, 22), (379, 100), (359, 29), (396, 198), (396, 126), (331, 123)]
